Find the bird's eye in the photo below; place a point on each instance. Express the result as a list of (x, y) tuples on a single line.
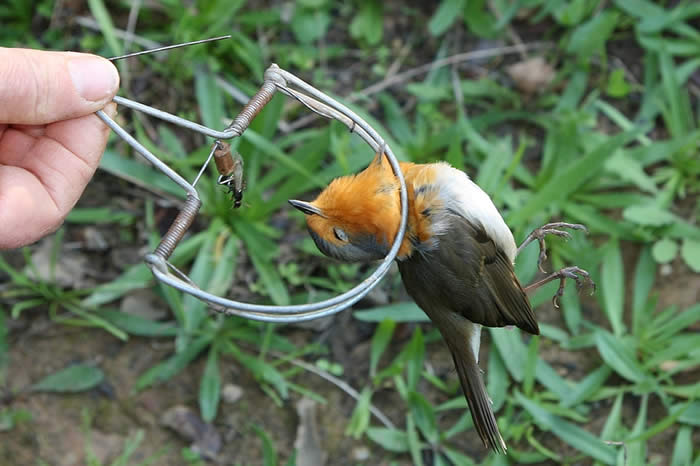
[(340, 234)]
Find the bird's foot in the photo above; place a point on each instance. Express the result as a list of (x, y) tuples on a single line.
[(580, 276), (538, 234)]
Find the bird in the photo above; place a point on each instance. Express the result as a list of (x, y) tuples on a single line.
[(456, 259)]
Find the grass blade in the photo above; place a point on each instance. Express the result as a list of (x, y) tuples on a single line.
[(568, 432), (77, 378)]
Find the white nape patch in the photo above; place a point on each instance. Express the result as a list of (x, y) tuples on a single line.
[(462, 195)]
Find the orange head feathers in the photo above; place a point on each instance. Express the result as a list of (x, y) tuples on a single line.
[(356, 217)]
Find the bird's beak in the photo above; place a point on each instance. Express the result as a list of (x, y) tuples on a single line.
[(306, 207)]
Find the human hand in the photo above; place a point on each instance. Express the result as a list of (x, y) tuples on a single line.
[(50, 141)]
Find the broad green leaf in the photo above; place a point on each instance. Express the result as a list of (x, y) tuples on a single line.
[(570, 13), (573, 93), (224, 266), (172, 144), (261, 251), (617, 85), (309, 25), (137, 325), (195, 310), (664, 250), (568, 180), (644, 276), (368, 23), (613, 278), (400, 312), (613, 423), (389, 439), (76, 378), (691, 413), (497, 381), (423, 414), (514, 355), (511, 350), (683, 447), (457, 457), (414, 443), (261, 369), (210, 387), (636, 449), (312, 3), (649, 214), (272, 150), (268, 448), (380, 340), (530, 365), (571, 434), (668, 329), (597, 222), (140, 174), (591, 36), (359, 420), (587, 387), (479, 19), (104, 20), (428, 92), (173, 365), (629, 169), (445, 16), (676, 110), (619, 357), (395, 118), (415, 355), (99, 215), (690, 252), (640, 435), (210, 98), (4, 347)]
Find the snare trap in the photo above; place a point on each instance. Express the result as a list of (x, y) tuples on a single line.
[(230, 168)]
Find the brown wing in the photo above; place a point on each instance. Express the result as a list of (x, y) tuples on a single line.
[(468, 274)]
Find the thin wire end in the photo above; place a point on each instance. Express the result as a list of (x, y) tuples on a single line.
[(169, 47)]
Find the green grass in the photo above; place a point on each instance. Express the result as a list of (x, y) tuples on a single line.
[(611, 141)]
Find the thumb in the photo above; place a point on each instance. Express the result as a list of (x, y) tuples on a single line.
[(38, 87)]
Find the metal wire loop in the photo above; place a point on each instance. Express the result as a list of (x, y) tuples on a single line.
[(275, 79)]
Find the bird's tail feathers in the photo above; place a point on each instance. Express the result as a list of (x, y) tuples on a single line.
[(475, 392)]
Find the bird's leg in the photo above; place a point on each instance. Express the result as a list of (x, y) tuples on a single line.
[(548, 229), (578, 274)]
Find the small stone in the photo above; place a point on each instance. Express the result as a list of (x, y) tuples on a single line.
[(531, 75), (360, 453), (231, 393), (143, 303), (94, 240), (65, 268), (186, 422)]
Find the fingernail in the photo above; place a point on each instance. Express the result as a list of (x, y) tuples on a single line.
[(94, 78)]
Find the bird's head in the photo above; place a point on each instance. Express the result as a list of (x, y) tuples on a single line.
[(356, 217)]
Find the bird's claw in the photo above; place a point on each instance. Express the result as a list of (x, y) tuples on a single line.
[(580, 276), (549, 229)]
